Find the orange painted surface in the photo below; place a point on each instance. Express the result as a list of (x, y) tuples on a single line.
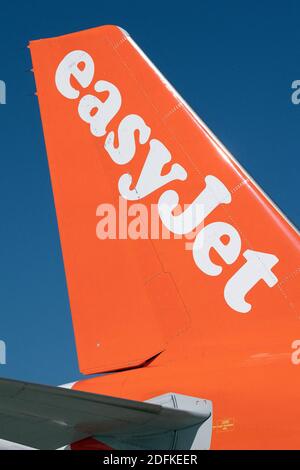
[(89, 444), (133, 299)]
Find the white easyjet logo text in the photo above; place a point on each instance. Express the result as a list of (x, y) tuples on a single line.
[(98, 114)]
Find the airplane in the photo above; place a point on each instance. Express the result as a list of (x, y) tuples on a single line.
[(188, 310)]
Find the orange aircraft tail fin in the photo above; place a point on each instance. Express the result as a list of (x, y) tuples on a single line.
[(162, 231)]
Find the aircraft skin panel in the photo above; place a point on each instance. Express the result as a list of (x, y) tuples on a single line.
[(216, 302)]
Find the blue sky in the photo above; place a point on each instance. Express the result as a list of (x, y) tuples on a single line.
[(232, 61)]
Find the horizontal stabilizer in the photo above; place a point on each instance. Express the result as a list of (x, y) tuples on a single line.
[(46, 417)]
